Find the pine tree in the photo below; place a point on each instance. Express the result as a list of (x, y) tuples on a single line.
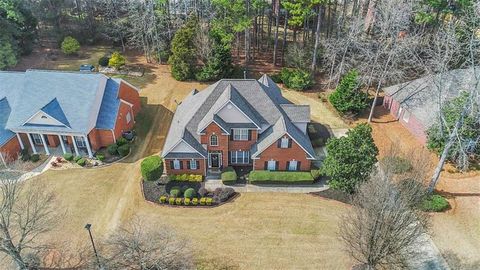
[(347, 97), (183, 56)]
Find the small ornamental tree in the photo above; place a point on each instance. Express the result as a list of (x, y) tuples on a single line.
[(117, 60), (350, 159), (183, 56), (466, 143), (70, 45), (347, 97), (152, 168)]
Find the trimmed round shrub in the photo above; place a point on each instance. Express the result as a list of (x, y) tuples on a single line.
[(434, 203), (103, 61), (124, 150), (34, 157), (195, 201), (175, 192), (178, 201), (70, 45), (163, 199), (152, 168), (121, 141), (189, 193), (82, 162), (171, 201), (68, 156), (186, 201), (112, 149), (77, 158), (117, 60), (203, 200), (209, 201), (100, 157)]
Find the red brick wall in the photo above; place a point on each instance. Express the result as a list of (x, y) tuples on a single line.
[(200, 170), (413, 125), (222, 141), (10, 150), (121, 124), (282, 155), (243, 145), (129, 94)]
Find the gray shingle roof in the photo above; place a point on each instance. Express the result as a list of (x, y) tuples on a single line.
[(420, 97), (9, 83), (75, 92), (260, 100), (297, 113)]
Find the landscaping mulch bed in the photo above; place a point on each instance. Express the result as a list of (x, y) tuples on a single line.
[(334, 195), (152, 190)]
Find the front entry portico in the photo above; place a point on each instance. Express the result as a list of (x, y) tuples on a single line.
[(214, 159), (75, 143)]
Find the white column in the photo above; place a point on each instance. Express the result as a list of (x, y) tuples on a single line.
[(75, 145), (90, 155), (20, 141), (62, 144), (31, 143), (45, 145)]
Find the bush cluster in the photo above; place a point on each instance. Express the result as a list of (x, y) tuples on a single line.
[(189, 193), (186, 201), (279, 177), (100, 157), (68, 156), (123, 150), (152, 168), (103, 61), (117, 60), (70, 45), (186, 177), (112, 149), (434, 203), (34, 157), (81, 162), (348, 97), (229, 176), (296, 79)]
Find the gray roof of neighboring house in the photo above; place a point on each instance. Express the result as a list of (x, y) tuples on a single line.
[(75, 93), (421, 96), (260, 102), (10, 83)]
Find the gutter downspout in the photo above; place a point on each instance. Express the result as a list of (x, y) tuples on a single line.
[(114, 139)]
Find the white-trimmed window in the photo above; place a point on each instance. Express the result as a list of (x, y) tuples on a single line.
[(240, 134), (406, 116), (214, 140), (80, 141), (36, 138), (239, 157), (292, 165), (271, 165), (284, 142), (128, 117), (193, 164), (176, 164)]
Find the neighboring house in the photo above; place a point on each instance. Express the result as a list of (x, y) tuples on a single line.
[(416, 103), (54, 111), (240, 123)]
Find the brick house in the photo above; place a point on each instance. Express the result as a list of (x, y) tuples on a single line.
[(240, 123), (415, 103), (53, 111)]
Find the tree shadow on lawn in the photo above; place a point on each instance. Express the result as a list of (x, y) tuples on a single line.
[(318, 133)]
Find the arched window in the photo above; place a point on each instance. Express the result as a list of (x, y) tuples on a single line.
[(213, 140)]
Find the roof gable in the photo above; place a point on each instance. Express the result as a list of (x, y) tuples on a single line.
[(5, 134), (54, 110)]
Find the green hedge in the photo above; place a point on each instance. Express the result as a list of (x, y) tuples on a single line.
[(276, 177), (229, 176), (434, 203), (152, 168), (123, 150), (186, 177), (68, 156), (112, 149)]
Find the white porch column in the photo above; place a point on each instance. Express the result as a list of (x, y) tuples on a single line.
[(31, 143), (75, 145), (20, 141), (45, 145), (90, 155), (62, 144)]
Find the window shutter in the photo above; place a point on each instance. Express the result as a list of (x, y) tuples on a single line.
[(181, 164), (288, 165), (249, 134), (229, 157), (279, 143), (188, 164), (266, 165), (171, 164), (298, 165), (276, 165), (231, 134), (289, 143), (198, 164)]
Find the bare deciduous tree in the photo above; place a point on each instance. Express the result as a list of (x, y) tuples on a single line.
[(382, 230), (26, 211), (138, 246)]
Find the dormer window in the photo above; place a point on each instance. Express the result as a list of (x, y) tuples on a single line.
[(214, 140)]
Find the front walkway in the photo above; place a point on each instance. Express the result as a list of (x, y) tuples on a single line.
[(242, 188)]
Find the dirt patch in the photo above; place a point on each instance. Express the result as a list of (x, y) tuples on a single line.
[(335, 195)]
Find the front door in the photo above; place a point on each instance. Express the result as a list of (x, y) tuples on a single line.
[(215, 160)]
